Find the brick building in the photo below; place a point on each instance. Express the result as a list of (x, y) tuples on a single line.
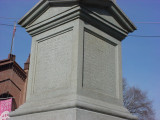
[(13, 81)]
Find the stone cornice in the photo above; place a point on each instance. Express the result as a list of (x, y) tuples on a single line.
[(33, 13), (54, 21), (103, 24), (121, 17), (77, 11), (74, 13), (43, 4)]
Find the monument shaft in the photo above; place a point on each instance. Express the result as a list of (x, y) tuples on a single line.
[(75, 67)]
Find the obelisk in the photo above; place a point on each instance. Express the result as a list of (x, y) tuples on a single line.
[(75, 66)]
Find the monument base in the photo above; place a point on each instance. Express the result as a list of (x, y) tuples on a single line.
[(67, 114)]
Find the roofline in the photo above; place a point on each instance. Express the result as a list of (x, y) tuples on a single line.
[(122, 16), (30, 12), (44, 4), (4, 60), (13, 64)]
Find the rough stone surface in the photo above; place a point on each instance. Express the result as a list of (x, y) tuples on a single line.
[(99, 65), (90, 115), (68, 114), (54, 54), (75, 62)]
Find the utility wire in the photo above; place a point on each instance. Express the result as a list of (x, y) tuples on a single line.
[(13, 21), (144, 36), (9, 25), (147, 22), (154, 36), (133, 22), (9, 18)]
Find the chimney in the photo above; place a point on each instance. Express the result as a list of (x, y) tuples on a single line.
[(11, 57), (26, 64)]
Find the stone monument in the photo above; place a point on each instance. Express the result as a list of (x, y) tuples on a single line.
[(75, 66)]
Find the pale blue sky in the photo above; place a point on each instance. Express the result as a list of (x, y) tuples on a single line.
[(140, 55)]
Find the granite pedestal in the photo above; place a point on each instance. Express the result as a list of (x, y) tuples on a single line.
[(75, 66)]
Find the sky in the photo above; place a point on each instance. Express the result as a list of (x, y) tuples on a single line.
[(140, 54)]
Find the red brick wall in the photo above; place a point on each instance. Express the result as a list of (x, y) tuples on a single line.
[(16, 88)]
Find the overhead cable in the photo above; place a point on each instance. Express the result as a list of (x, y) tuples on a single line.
[(147, 22), (9, 25), (153, 36), (9, 18), (143, 36)]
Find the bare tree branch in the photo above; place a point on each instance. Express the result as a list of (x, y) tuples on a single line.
[(137, 102)]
